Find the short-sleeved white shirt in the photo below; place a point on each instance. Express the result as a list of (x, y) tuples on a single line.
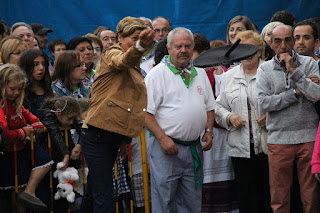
[(180, 111)]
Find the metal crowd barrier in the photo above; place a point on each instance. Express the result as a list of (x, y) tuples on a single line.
[(144, 169)]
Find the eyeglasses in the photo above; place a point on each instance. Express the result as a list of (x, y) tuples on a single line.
[(164, 30), (97, 49), (17, 52), (106, 38), (80, 65)]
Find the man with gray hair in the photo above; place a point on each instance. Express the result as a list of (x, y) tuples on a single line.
[(287, 93), (24, 31), (180, 107)]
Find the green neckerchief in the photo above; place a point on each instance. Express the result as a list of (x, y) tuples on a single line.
[(196, 159), (193, 74), (149, 53), (75, 90), (91, 74)]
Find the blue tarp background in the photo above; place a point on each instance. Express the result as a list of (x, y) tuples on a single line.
[(69, 18)]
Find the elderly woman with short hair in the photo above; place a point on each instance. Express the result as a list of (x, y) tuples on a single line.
[(238, 111), (266, 31)]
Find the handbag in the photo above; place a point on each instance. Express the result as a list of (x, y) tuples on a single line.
[(263, 135), (264, 140)]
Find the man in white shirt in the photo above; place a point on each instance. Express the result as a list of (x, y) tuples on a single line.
[(180, 106)]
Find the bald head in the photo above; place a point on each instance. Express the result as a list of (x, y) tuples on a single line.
[(162, 27), (282, 39)]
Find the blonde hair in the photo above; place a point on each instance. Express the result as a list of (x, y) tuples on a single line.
[(10, 73), (244, 19), (128, 25), (8, 45), (269, 27), (251, 34)]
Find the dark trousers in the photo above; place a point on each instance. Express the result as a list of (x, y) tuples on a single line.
[(100, 149), (252, 183)]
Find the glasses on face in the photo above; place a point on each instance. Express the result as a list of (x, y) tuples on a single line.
[(97, 49), (164, 30), (17, 52), (80, 65), (106, 38)]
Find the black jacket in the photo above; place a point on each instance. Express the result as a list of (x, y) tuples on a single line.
[(58, 144)]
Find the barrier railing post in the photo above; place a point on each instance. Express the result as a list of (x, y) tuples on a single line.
[(145, 172), (15, 168), (130, 175), (32, 149), (50, 175), (116, 182)]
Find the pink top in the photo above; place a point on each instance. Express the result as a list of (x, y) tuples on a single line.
[(315, 162)]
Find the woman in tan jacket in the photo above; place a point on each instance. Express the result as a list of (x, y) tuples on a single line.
[(117, 110)]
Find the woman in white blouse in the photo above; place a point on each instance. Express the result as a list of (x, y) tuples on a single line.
[(238, 112)]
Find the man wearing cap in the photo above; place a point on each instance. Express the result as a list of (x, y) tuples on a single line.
[(288, 96), (180, 107), (40, 33)]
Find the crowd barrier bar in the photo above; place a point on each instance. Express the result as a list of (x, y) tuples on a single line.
[(144, 169), (145, 172), (50, 175), (130, 175), (116, 182)]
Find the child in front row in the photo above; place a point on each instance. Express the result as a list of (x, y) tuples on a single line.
[(55, 113), (17, 124)]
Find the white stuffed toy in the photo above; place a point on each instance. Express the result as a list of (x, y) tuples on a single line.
[(66, 182)]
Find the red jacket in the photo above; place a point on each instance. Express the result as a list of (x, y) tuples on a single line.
[(12, 125)]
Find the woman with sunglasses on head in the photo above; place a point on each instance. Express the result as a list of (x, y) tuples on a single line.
[(11, 49), (68, 73)]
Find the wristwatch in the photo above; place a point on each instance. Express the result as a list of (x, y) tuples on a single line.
[(209, 130)]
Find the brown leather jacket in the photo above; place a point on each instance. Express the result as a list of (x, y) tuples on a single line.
[(118, 94)]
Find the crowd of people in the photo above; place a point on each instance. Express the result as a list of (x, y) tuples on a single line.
[(241, 137)]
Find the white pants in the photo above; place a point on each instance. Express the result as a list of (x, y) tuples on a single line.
[(173, 180)]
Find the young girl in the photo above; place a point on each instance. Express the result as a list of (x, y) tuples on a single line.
[(55, 113), (17, 123), (84, 104), (36, 64)]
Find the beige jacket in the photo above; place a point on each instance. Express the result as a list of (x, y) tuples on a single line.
[(118, 94)]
